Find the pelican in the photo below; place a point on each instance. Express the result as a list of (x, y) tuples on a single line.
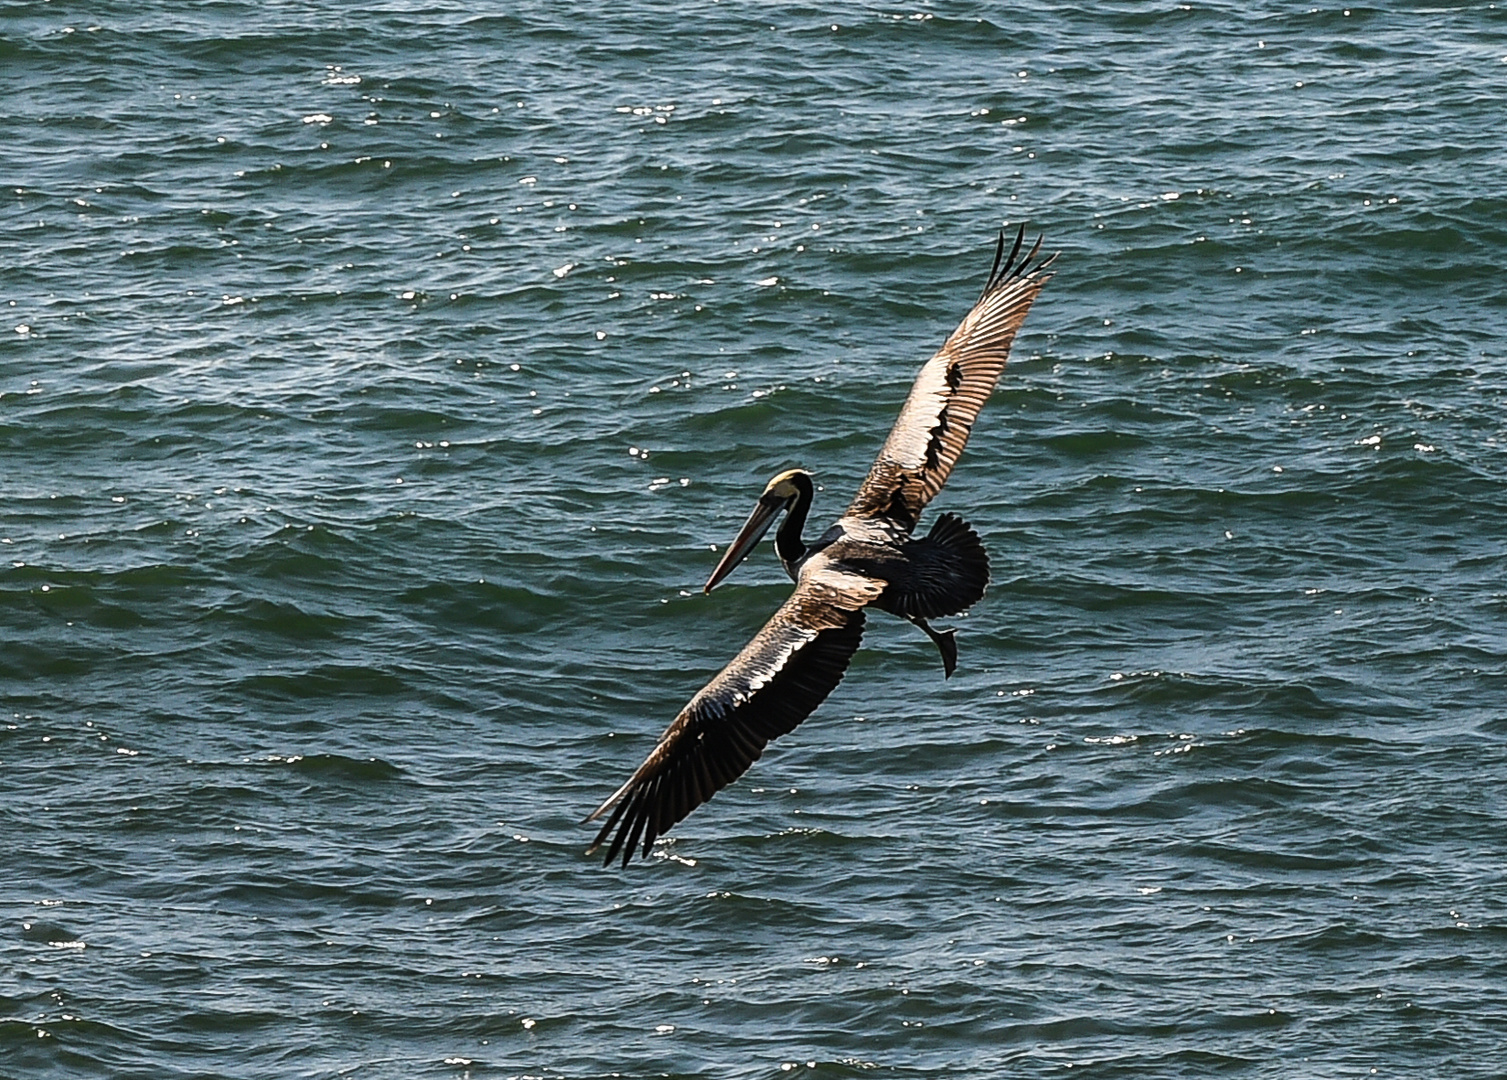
[(869, 558)]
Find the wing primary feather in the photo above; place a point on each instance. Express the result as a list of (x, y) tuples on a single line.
[(651, 833), (999, 253), (606, 829), (617, 839), (654, 811), (995, 277), (634, 833), (1036, 247)]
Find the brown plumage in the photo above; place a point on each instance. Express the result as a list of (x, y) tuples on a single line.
[(868, 558), (948, 393)]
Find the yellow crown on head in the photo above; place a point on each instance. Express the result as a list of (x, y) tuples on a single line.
[(783, 485)]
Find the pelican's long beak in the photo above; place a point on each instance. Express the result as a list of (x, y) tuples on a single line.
[(753, 531)]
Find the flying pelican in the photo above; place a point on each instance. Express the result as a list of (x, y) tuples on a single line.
[(868, 558)]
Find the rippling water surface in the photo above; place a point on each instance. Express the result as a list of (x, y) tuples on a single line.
[(374, 386)]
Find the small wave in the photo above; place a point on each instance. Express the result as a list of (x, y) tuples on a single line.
[(325, 681), (338, 767)]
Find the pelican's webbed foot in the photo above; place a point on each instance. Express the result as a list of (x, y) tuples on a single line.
[(945, 641)]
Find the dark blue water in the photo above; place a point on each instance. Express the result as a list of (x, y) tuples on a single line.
[(375, 385)]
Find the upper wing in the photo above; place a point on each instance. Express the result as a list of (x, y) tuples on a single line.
[(949, 392), (784, 673)]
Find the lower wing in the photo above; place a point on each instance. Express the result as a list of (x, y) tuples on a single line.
[(779, 678)]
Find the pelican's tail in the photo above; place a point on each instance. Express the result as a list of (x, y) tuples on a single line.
[(948, 572)]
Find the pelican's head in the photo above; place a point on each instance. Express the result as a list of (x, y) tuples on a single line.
[(782, 492), (787, 486)]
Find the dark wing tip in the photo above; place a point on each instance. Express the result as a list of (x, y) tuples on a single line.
[(1009, 269), (606, 830)]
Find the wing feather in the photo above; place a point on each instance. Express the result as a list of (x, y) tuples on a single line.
[(779, 678), (951, 388)]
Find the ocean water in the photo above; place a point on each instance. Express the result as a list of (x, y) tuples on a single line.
[(376, 385)]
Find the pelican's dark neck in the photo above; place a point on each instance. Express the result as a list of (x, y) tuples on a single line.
[(787, 542)]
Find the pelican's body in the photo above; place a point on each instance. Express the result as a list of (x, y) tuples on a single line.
[(869, 558)]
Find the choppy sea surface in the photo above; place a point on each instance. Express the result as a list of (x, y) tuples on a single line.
[(378, 382)]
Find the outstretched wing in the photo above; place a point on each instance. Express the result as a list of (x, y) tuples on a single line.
[(951, 388), (783, 674)]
